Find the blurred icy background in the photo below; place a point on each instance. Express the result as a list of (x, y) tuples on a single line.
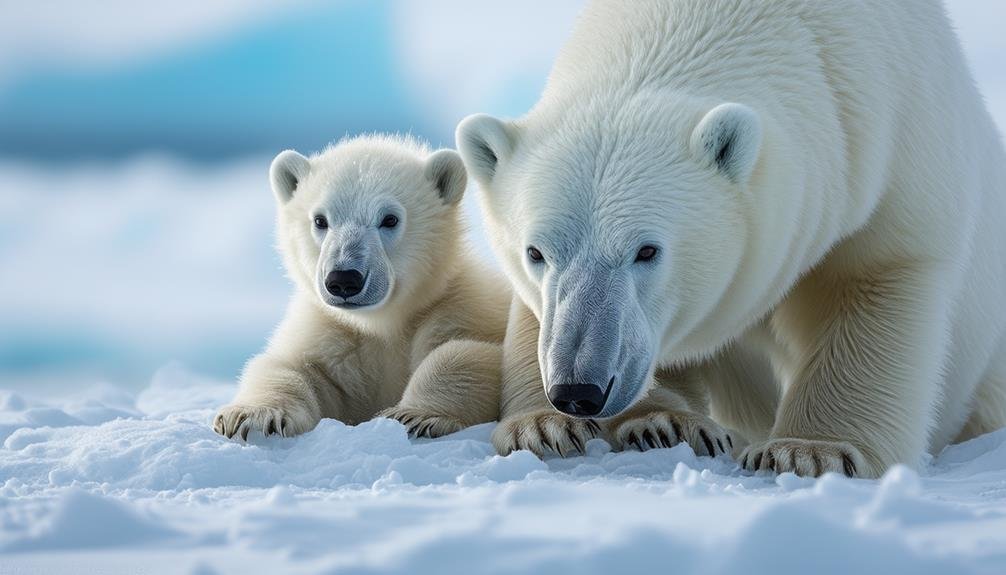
[(135, 215)]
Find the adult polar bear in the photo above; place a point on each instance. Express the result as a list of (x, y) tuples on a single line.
[(803, 200)]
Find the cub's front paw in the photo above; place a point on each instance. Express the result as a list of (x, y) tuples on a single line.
[(241, 419), (806, 457), (544, 431), (669, 428), (423, 423)]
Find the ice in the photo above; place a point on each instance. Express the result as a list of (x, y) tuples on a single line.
[(124, 482)]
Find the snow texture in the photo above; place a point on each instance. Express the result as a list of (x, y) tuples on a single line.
[(105, 481)]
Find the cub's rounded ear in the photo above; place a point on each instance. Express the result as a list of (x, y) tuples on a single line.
[(447, 172), (483, 142), (288, 169), (729, 138)]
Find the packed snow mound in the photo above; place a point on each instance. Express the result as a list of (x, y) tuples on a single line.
[(119, 482)]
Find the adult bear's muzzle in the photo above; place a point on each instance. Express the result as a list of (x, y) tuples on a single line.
[(595, 357)]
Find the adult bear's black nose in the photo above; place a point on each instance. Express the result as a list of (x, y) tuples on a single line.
[(580, 399), (344, 283)]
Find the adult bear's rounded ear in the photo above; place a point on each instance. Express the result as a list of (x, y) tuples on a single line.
[(447, 172), (729, 138), (288, 169), (483, 142)]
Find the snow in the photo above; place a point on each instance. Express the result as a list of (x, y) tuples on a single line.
[(110, 268), (121, 482)]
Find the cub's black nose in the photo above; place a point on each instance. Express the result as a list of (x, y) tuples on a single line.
[(581, 399), (344, 283)]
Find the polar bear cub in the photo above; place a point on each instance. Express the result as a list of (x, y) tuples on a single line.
[(391, 312)]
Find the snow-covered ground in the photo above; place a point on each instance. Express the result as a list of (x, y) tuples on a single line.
[(108, 269), (110, 481), (125, 265)]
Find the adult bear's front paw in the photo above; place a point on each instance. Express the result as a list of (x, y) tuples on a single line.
[(806, 457), (423, 423), (544, 431), (669, 428), (241, 419)]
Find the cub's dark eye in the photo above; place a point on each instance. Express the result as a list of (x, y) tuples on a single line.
[(320, 222), (389, 221), (535, 255), (646, 253)]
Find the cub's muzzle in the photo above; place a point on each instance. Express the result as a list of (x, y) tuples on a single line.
[(344, 283)]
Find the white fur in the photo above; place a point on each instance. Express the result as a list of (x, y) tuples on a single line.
[(842, 260), (430, 341)]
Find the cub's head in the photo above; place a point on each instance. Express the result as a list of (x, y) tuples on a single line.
[(621, 227), (369, 226)]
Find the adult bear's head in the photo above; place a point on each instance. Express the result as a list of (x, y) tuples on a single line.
[(621, 228)]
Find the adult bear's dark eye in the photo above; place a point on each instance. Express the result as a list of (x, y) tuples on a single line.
[(320, 222), (646, 253), (535, 255), (389, 221)]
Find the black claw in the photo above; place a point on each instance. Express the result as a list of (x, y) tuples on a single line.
[(237, 424), (244, 433), (414, 428), (720, 445), (540, 430), (848, 465), (664, 440), (595, 429), (677, 431), (635, 441), (756, 462), (283, 425), (576, 441), (770, 462), (425, 431), (817, 464), (649, 439), (730, 442), (705, 440), (744, 462), (272, 427), (553, 445)]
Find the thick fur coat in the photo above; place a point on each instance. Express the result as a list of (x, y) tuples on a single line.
[(391, 314), (792, 209)]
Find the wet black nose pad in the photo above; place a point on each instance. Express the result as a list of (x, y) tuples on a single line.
[(576, 399), (344, 283), (579, 399)]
